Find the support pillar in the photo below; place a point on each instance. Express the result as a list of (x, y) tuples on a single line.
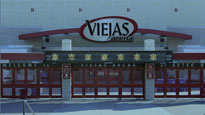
[(149, 82), (149, 45), (66, 89), (66, 82), (66, 70)]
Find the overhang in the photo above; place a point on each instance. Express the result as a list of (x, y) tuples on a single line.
[(22, 56), (76, 30), (41, 56)]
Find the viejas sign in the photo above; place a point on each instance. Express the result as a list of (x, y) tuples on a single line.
[(110, 28)]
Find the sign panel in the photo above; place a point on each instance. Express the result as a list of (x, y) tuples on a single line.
[(66, 71), (108, 56), (163, 65), (110, 28), (150, 71)]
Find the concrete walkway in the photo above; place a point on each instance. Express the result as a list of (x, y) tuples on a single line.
[(106, 107)]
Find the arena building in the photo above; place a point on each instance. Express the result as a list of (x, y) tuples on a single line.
[(102, 49)]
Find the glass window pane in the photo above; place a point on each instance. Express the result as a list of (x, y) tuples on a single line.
[(183, 76), (195, 91), (203, 91), (126, 78), (204, 75), (7, 91), (113, 76), (78, 76), (31, 76), (171, 76), (20, 76), (56, 91), (195, 76), (56, 76), (183, 91), (18, 91), (171, 91), (102, 91), (126, 91), (138, 91), (159, 75), (77, 91), (138, 78), (44, 91), (114, 91), (32, 92), (7, 76), (89, 76), (101, 77), (89, 91), (44, 79), (159, 91)]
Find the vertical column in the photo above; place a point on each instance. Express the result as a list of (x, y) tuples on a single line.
[(66, 82), (149, 45), (66, 70)]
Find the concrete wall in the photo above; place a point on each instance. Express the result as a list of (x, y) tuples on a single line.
[(17, 18), (57, 14)]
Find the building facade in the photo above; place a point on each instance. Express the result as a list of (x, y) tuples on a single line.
[(43, 53)]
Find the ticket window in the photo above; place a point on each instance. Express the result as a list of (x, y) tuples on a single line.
[(20, 76), (44, 76), (89, 76), (31, 76), (183, 76), (138, 76), (195, 76), (56, 76), (126, 77), (78, 76), (113, 77), (7, 76), (171, 76), (101, 76), (159, 76), (204, 76)]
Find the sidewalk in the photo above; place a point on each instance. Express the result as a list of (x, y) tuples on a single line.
[(188, 106)]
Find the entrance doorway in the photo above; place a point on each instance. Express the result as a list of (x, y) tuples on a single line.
[(180, 82), (34, 82), (104, 82)]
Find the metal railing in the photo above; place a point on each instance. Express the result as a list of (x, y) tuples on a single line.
[(29, 107)]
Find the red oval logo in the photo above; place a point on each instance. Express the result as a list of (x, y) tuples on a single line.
[(110, 28)]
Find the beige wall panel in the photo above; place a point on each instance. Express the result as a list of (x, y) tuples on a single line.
[(56, 14), (137, 12), (120, 7), (8, 5), (104, 8), (41, 13), (72, 14), (190, 13), (154, 16), (8, 19), (89, 10), (24, 15)]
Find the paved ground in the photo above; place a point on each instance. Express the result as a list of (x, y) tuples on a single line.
[(106, 107)]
